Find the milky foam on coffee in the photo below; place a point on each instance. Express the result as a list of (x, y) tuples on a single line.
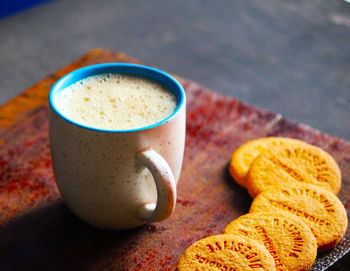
[(115, 102)]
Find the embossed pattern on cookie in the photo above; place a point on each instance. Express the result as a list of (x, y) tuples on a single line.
[(294, 164), (288, 239), (244, 156), (318, 208), (226, 252)]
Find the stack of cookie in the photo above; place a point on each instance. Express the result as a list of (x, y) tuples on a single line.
[(295, 212)]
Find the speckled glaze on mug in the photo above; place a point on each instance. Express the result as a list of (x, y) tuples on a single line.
[(118, 179)]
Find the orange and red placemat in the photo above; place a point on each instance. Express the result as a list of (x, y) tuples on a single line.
[(37, 231)]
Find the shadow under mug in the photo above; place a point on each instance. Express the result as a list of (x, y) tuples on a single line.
[(118, 179)]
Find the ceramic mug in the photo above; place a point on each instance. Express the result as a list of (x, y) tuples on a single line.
[(118, 179)]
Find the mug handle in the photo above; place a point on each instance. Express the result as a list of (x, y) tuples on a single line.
[(165, 183)]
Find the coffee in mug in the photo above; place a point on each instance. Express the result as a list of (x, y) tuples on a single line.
[(117, 136), (116, 101)]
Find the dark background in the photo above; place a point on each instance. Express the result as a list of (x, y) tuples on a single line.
[(290, 57)]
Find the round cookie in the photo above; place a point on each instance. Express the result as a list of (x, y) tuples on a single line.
[(288, 239), (318, 208), (243, 157), (293, 164), (226, 252)]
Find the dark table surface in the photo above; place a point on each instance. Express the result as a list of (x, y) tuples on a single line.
[(290, 57)]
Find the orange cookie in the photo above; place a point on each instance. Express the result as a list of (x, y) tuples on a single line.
[(288, 239), (226, 252), (293, 164), (318, 208), (243, 157)]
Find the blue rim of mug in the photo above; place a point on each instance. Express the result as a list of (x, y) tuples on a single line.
[(124, 68)]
